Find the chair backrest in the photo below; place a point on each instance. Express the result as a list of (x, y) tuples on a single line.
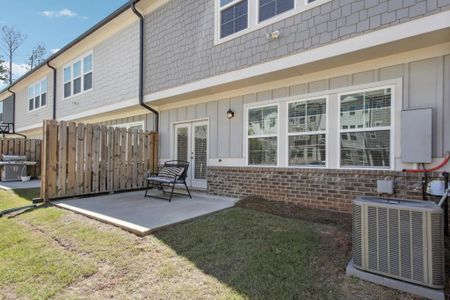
[(179, 164)]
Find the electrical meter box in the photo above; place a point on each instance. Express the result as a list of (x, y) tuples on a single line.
[(416, 138)]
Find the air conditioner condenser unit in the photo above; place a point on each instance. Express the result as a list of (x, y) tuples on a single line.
[(401, 239)]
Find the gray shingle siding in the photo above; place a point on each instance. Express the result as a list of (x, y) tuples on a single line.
[(180, 36)]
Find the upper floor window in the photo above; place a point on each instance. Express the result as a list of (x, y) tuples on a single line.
[(233, 16), (365, 128), (37, 95), (271, 8), (78, 76)]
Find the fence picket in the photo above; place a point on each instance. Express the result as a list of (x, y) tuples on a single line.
[(80, 159), (71, 158)]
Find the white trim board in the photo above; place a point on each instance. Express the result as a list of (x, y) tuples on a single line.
[(383, 36)]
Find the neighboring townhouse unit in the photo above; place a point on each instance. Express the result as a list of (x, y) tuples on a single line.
[(295, 100)]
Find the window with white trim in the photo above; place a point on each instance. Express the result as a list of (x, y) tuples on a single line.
[(78, 76), (233, 16), (139, 125), (307, 132), (365, 129), (262, 132), (270, 8), (37, 95)]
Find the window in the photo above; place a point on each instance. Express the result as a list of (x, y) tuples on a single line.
[(271, 8), (78, 76), (262, 134), (368, 114), (233, 16), (1, 111), (139, 125), (306, 131), (37, 95)]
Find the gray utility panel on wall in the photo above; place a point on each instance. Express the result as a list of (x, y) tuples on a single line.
[(417, 135)]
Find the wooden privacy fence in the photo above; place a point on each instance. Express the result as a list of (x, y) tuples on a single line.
[(82, 159), (31, 148)]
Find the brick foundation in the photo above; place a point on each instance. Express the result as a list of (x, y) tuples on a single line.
[(313, 188)]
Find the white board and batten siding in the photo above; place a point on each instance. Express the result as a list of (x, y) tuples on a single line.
[(423, 83)]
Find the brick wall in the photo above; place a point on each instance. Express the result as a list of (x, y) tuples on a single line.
[(313, 188)]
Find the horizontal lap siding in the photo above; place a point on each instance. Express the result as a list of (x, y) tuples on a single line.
[(424, 82), (180, 48), (115, 74), (26, 118)]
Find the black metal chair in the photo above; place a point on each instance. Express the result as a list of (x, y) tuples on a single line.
[(172, 173)]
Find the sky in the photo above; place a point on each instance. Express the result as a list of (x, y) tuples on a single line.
[(52, 22)]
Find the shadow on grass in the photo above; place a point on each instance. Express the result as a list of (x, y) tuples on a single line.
[(263, 256), (27, 194)]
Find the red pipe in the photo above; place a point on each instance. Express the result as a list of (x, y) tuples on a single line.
[(443, 163)]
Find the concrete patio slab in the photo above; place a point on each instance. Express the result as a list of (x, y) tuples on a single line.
[(19, 185), (142, 215)]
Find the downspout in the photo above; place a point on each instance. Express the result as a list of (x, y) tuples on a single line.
[(54, 89), (14, 113), (13, 108), (141, 64)]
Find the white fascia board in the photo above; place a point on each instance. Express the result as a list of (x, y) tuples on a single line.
[(365, 41)]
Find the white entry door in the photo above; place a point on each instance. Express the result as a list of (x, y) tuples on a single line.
[(191, 145)]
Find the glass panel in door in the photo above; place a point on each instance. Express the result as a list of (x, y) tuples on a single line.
[(200, 151), (199, 154), (182, 143)]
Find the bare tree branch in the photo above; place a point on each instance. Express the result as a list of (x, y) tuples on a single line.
[(11, 39), (37, 55)]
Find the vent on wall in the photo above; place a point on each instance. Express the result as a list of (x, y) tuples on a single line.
[(401, 239)]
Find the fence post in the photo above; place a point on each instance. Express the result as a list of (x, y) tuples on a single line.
[(49, 182)]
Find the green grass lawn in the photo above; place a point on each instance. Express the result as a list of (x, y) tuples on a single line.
[(235, 254)]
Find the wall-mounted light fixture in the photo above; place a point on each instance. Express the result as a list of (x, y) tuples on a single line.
[(230, 114)]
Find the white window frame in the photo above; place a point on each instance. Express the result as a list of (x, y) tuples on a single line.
[(38, 82), (226, 6), (82, 74), (129, 125), (326, 131), (296, 3), (247, 137), (253, 17), (391, 128)]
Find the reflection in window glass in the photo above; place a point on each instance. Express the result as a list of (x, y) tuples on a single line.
[(271, 8), (262, 132), (263, 120), (366, 109), (77, 69), (233, 18), (307, 116), (262, 151), (370, 113), (87, 64), (307, 150), (306, 129), (366, 149)]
